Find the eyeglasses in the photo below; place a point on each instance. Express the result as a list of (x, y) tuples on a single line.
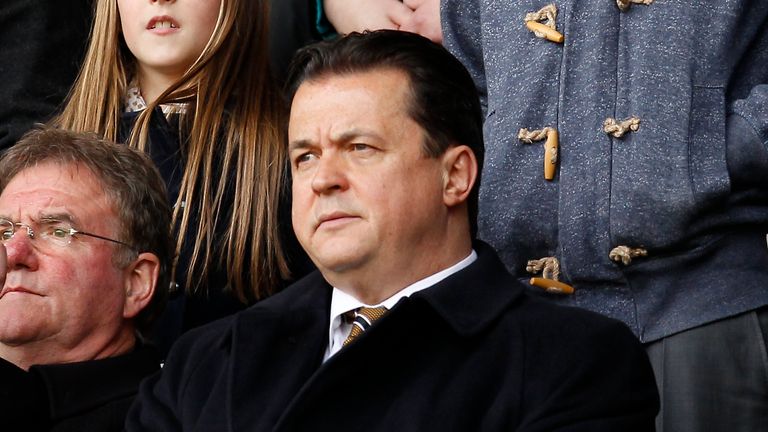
[(50, 231)]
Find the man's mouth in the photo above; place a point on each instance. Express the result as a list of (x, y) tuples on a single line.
[(9, 290), (334, 218)]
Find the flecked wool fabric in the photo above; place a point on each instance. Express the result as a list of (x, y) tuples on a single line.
[(690, 185)]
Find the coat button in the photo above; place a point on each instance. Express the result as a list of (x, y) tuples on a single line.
[(543, 23), (550, 147), (618, 128), (624, 254), (552, 286), (549, 267), (624, 4)]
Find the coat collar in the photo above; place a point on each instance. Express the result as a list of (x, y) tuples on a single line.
[(80, 387), (468, 300), (474, 297)]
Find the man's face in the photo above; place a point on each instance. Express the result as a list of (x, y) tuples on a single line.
[(64, 298), (366, 201)]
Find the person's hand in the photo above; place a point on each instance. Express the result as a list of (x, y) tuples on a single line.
[(358, 15), (425, 19)]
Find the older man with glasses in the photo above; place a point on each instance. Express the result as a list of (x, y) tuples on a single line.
[(85, 229)]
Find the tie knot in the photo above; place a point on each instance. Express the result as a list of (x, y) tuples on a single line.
[(370, 314), (361, 319)]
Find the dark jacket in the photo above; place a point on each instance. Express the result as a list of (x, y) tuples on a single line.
[(291, 26), (690, 185), (214, 298), (91, 396), (41, 46), (472, 353)]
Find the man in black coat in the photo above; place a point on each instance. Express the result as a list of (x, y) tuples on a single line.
[(85, 252), (408, 325)]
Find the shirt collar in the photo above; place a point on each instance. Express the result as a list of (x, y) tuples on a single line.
[(135, 102), (341, 302)]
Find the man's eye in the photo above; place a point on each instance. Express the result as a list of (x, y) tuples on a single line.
[(361, 147), (59, 233), (6, 234), (304, 157)]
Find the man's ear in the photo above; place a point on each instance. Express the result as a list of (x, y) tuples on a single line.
[(459, 174), (140, 282)]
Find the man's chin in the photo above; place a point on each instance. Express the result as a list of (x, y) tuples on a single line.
[(333, 264), (20, 312), (14, 333)]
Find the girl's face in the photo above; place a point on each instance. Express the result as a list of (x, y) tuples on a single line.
[(167, 36)]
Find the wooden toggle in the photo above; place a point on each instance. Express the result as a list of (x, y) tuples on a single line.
[(549, 33), (552, 286), (550, 154)]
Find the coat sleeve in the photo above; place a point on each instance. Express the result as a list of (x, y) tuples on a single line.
[(462, 36), (747, 96), (593, 375), (748, 122), (172, 399), (154, 409), (747, 140), (747, 104)]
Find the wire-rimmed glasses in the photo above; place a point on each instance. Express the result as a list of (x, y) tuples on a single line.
[(51, 231)]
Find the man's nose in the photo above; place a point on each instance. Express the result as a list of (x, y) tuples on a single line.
[(20, 251), (330, 174)]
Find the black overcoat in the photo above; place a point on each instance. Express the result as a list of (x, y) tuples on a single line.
[(87, 396), (472, 353)]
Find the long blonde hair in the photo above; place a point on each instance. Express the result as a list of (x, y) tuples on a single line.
[(229, 83)]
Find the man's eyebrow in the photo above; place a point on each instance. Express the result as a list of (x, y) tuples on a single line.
[(57, 217), (47, 217), (353, 134), (344, 137), (299, 145)]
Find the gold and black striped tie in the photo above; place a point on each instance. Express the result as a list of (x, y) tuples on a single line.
[(362, 319)]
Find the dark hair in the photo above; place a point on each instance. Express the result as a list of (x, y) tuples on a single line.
[(444, 100), (130, 181)]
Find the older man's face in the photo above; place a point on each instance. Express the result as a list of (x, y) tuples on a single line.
[(66, 299), (366, 201)]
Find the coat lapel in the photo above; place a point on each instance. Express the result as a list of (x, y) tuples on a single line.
[(472, 299), (277, 345), (468, 302)]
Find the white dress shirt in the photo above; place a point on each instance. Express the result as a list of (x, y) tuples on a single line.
[(342, 303)]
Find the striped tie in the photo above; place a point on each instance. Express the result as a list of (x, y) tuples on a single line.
[(363, 318)]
